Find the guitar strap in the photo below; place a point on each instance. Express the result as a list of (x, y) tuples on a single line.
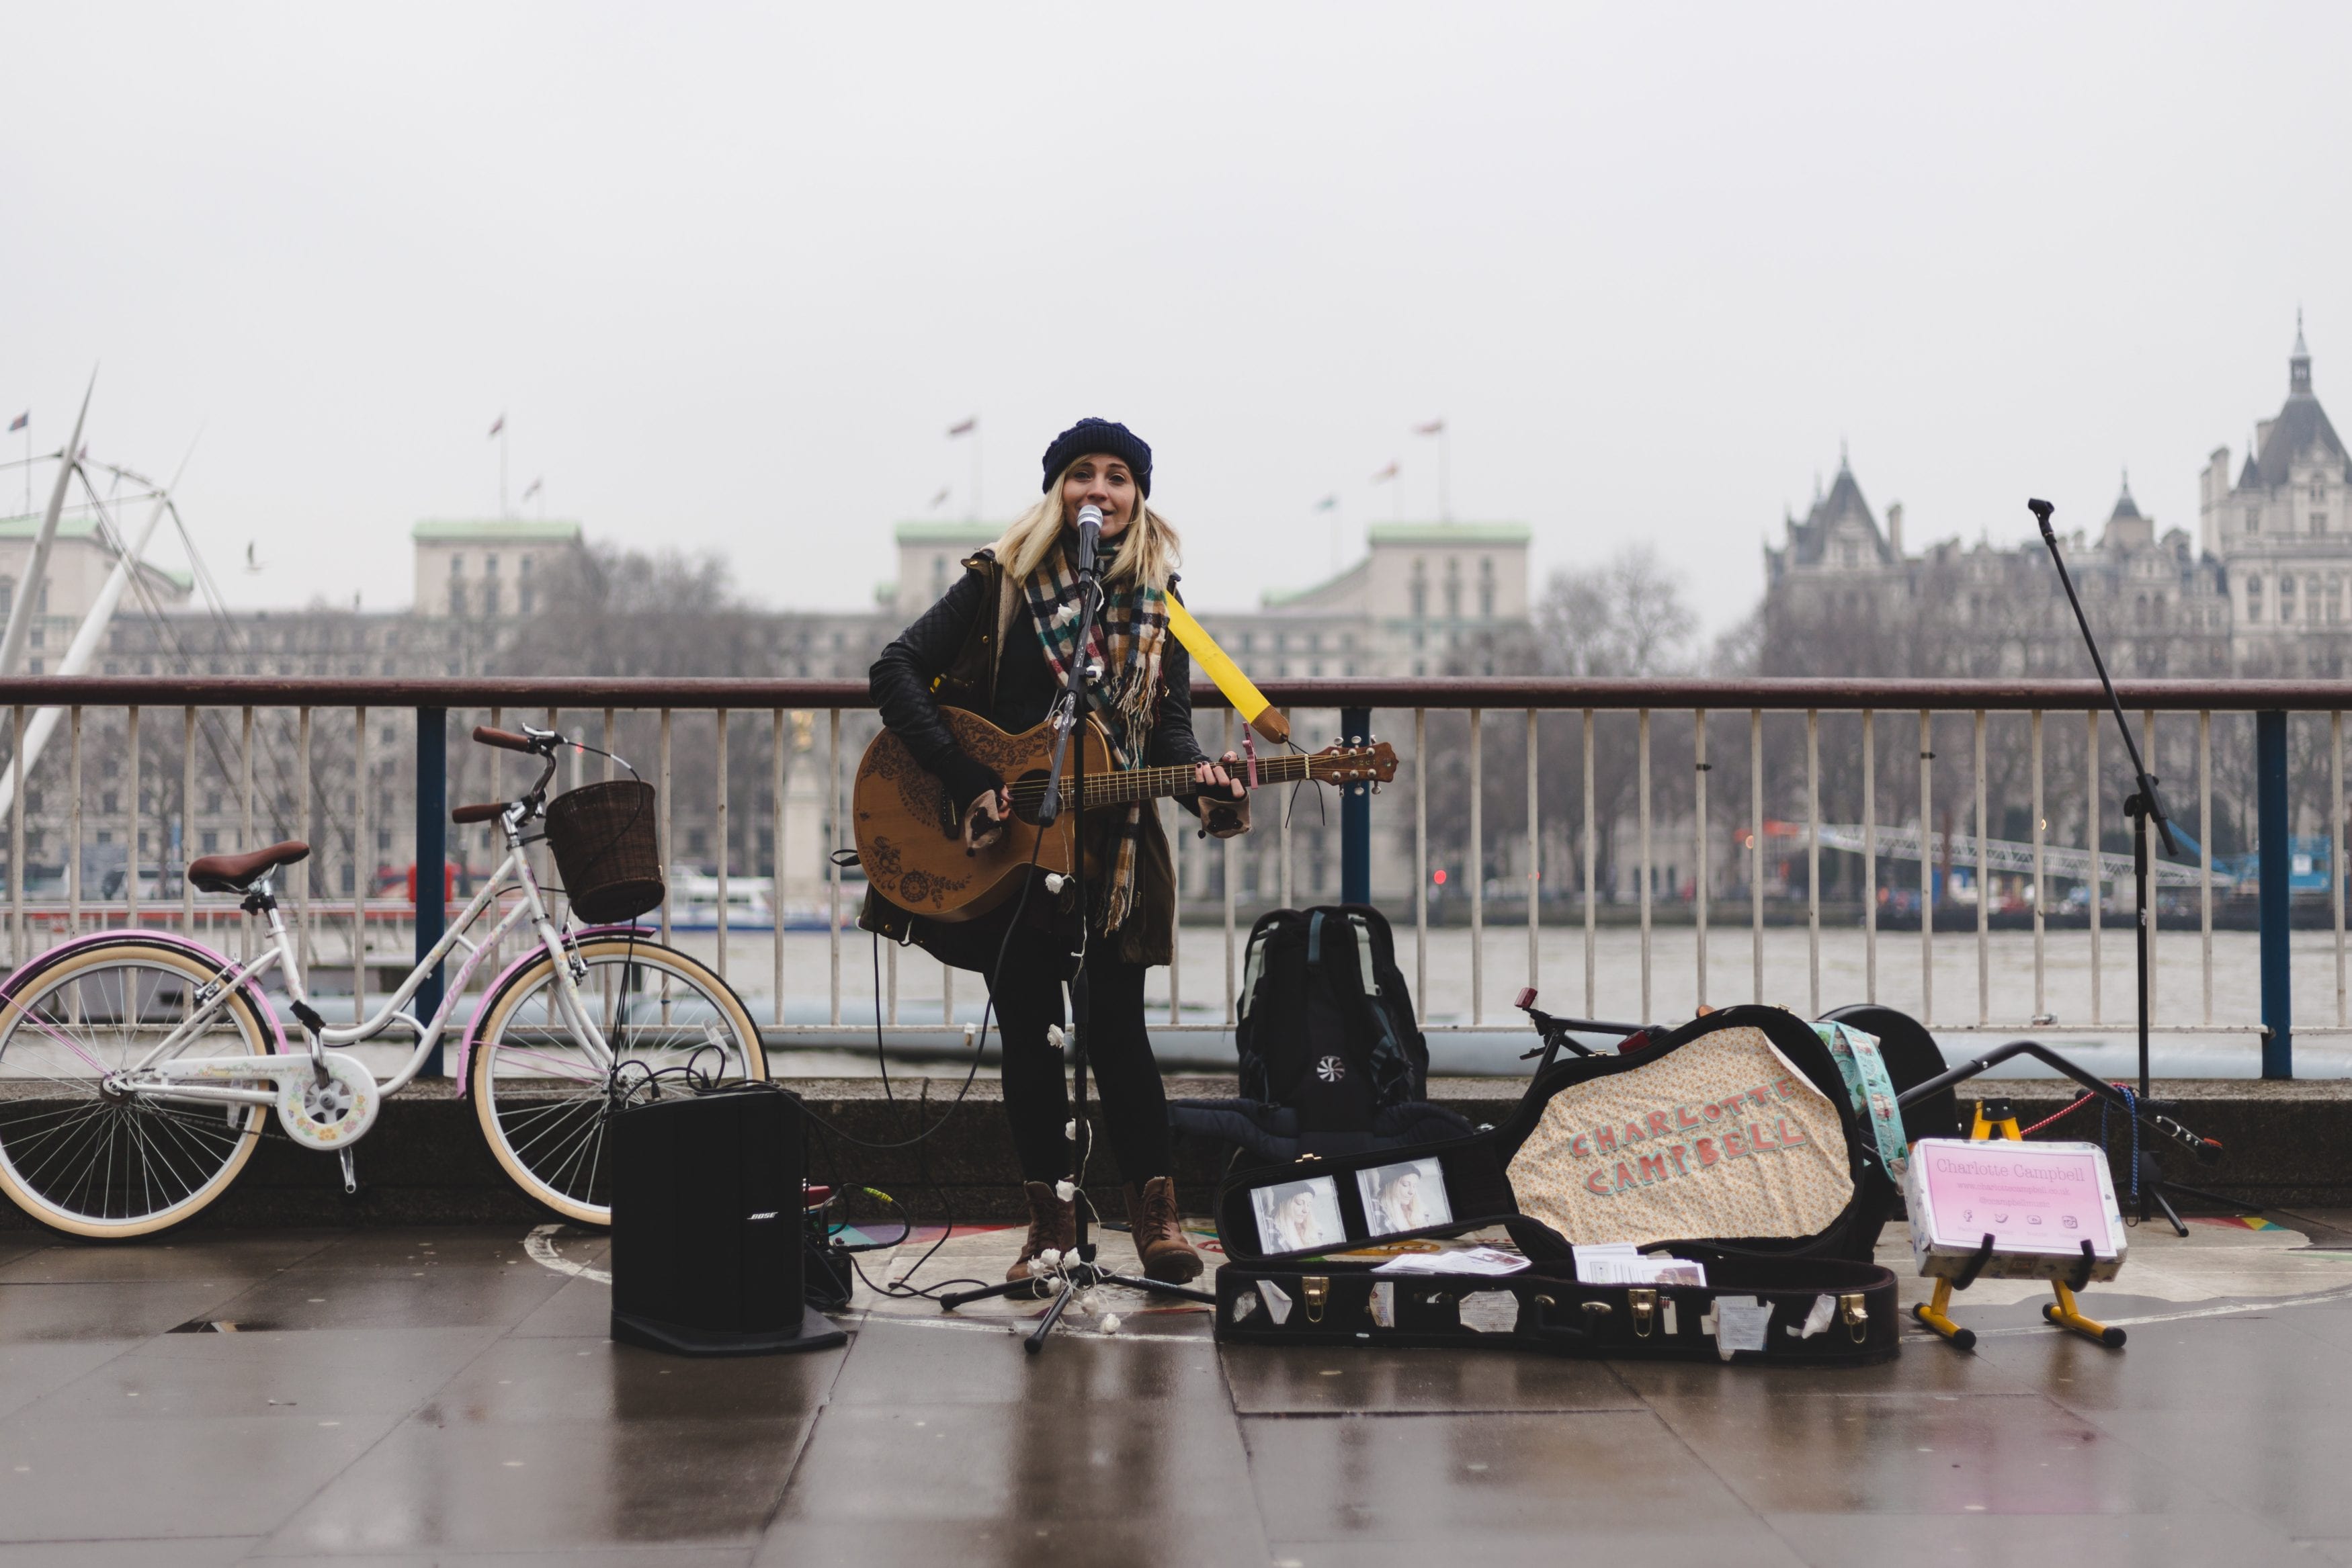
[(1248, 701)]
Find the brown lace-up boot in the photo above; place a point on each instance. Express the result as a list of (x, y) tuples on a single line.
[(1153, 1220), (1052, 1224)]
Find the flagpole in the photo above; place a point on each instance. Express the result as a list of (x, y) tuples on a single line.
[(1441, 429), (975, 468), (503, 513)]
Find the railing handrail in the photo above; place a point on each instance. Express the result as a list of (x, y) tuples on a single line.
[(1777, 693)]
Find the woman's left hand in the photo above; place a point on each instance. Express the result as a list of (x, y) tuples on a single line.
[(1222, 818)]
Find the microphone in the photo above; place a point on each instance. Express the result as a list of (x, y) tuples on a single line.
[(1090, 522), (2041, 510)]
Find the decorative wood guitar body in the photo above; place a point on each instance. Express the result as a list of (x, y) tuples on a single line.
[(912, 852)]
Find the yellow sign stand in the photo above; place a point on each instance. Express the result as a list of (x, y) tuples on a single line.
[(1248, 701), (2064, 1312)]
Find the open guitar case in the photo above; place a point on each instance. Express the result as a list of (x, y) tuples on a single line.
[(1732, 1141)]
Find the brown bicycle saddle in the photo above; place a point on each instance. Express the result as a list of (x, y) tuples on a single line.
[(235, 873)]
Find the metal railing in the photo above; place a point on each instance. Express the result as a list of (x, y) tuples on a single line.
[(366, 769)]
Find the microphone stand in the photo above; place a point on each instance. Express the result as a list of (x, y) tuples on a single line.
[(2144, 809), (1083, 1272)]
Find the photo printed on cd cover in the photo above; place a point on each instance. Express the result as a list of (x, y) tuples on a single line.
[(1298, 1216), (1407, 1196)]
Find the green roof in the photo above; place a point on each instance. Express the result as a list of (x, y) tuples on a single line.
[(68, 527), (973, 534), (1450, 533), (85, 526), (1276, 598), (486, 530)]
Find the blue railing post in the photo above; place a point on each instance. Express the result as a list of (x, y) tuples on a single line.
[(2274, 836), (1356, 817), (432, 856)]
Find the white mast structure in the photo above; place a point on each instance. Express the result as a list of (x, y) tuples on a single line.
[(25, 604), (92, 632)]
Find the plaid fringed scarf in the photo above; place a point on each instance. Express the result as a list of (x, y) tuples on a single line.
[(1129, 632)]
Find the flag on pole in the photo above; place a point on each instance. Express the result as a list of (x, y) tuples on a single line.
[(498, 424), (1388, 473), (1434, 427), (1329, 503), (21, 421), (966, 428), (532, 488)]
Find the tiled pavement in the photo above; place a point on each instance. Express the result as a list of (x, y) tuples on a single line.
[(440, 1396)]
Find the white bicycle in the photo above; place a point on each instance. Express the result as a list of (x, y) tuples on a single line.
[(140, 1069)]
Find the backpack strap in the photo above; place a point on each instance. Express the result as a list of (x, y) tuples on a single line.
[(1389, 1064)]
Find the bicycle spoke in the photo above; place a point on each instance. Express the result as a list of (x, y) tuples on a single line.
[(656, 1017), (80, 1157)]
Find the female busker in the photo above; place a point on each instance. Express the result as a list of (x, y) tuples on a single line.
[(1026, 584)]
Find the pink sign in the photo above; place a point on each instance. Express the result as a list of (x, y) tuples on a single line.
[(2030, 1196)]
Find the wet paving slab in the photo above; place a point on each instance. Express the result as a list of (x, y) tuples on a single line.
[(451, 1396)]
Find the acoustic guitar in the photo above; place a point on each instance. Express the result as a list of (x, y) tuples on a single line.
[(911, 842)]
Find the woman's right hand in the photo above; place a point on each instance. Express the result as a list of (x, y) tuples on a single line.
[(983, 823)]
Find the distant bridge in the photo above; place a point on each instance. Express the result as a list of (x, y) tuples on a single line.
[(1901, 844)]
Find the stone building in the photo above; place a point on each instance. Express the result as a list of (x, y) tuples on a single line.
[(2262, 590), (2285, 531), (1423, 594), (80, 560), (490, 568)]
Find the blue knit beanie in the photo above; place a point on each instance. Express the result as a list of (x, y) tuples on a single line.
[(1099, 435)]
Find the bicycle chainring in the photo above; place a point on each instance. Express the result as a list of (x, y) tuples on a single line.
[(329, 1116)]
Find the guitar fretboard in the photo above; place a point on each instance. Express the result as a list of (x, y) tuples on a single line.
[(1152, 783)]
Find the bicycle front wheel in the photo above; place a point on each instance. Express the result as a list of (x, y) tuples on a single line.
[(543, 1097), (81, 1155)]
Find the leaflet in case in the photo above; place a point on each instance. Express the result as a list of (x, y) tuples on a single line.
[(2036, 1204)]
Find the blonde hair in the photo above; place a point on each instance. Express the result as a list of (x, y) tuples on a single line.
[(1147, 549)]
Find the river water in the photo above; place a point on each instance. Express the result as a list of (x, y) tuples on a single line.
[(2104, 1037)]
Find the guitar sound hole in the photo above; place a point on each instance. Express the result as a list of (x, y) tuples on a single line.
[(1028, 794)]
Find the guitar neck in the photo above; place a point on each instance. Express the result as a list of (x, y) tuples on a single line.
[(1152, 783)]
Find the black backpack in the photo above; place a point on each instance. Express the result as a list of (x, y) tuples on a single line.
[(1325, 1024)]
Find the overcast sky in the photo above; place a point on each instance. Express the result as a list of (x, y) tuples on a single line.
[(731, 272)]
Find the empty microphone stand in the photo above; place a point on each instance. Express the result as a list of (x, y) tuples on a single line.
[(2144, 809)]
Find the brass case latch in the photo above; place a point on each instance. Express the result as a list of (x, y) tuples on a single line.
[(1854, 1311), (1317, 1289), (1644, 1306)]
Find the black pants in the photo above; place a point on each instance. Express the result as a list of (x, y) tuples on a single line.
[(1036, 1094)]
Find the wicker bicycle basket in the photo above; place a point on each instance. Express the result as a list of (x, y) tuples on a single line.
[(606, 850)]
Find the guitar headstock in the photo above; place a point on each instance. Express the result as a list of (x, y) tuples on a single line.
[(1375, 761)]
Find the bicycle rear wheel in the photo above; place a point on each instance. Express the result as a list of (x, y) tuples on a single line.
[(87, 1160), (544, 1102)]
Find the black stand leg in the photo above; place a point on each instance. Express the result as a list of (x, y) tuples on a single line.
[(2151, 1191)]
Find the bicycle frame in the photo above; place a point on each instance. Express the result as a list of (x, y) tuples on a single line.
[(175, 1078)]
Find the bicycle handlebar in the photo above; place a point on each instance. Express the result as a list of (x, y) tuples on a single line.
[(507, 738), (489, 811)]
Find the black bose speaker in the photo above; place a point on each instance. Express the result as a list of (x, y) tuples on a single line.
[(706, 1225)]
